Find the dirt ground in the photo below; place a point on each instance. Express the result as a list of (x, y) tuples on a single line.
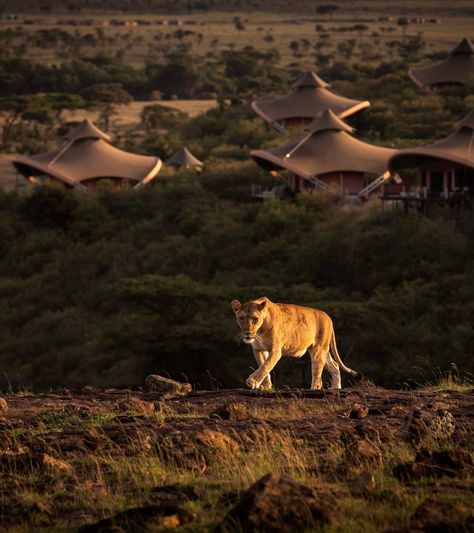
[(91, 454), (321, 414)]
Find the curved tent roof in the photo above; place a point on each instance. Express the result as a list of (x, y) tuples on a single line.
[(87, 155), (184, 158), (327, 147), (457, 148), (310, 98), (457, 68)]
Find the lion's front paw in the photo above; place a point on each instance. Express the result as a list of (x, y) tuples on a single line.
[(252, 383), (266, 385)]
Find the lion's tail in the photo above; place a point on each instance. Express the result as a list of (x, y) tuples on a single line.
[(336, 356)]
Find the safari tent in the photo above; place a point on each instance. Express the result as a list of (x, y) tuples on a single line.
[(183, 158), (446, 166), (87, 158), (309, 99), (458, 68), (329, 157)]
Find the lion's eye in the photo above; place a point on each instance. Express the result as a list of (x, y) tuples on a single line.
[(255, 320), (241, 318)]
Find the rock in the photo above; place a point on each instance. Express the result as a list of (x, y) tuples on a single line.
[(217, 441), (436, 516), (428, 423), (146, 518), (410, 471), (3, 406), (363, 484), (278, 503), (359, 411), (155, 383), (135, 405), (231, 411), (434, 464), (456, 460)]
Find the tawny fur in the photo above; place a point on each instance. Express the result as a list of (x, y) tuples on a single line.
[(274, 330)]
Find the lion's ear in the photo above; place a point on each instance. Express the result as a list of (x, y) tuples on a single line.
[(261, 306), (236, 305)]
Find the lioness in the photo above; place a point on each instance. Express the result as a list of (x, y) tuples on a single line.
[(275, 329)]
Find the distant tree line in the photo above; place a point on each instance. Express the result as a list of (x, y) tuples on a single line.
[(149, 6), (400, 114), (180, 75)]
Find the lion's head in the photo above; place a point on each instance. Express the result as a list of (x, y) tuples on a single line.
[(250, 317)]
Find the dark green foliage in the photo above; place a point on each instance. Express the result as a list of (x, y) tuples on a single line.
[(178, 77), (49, 207), (104, 290)]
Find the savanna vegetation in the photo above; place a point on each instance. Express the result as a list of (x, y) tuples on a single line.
[(104, 289), (181, 463)]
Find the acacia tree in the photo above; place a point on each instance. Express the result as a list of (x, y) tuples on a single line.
[(327, 9), (106, 97), (403, 23), (239, 25), (360, 29), (59, 102), (45, 109), (411, 47), (11, 110)]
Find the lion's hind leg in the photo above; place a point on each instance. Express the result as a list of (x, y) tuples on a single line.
[(335, 372), (318, 361)]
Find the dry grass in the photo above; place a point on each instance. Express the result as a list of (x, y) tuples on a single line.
[(129, 115), (451, 381), (223, 461)]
